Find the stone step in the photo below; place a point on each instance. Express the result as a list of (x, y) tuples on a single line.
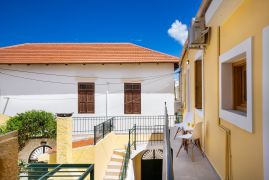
[(113, 172), (120, 152), (114, 165), (111, 178), (117, 158)]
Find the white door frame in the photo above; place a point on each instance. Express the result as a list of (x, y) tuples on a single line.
[(265, 98)]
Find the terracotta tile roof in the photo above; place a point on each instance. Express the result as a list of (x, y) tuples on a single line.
[(76, 53)]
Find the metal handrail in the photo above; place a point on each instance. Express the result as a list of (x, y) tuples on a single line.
[(138, 134), (122, 124), (60, 171), (131, 143), (168, 172), (102, 129)]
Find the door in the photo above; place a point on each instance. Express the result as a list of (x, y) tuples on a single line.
[(151, 165)]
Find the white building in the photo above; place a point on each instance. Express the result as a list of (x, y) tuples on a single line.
[(93, 79)]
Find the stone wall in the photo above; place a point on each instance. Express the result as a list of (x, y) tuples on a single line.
[(31, 145), (9, 156)]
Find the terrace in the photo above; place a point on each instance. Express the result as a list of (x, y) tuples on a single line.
[(127, 137)]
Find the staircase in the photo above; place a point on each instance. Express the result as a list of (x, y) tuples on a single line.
[(114, 166)]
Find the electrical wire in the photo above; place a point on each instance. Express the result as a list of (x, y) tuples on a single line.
[(66, 83), (73, 76), (110, 92)]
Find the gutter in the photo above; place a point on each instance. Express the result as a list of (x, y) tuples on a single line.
[(203, 8), (227, 131)]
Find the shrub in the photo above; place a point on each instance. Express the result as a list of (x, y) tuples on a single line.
[(32, 124)]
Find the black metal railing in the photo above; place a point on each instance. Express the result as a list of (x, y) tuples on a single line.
[(132, 137), (149, 134), (122, 124), (131, 144), (168, 172), (102, 129), (137, 135), (85, 125)]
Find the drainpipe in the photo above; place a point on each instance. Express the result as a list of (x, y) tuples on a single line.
[(203, 95), (225, 129)]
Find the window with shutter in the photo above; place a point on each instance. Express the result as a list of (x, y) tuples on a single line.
[(198, 84), (132, 98), (85, 97), (240, 86)]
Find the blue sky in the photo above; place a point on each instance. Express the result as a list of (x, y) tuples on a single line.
[(143, 22)]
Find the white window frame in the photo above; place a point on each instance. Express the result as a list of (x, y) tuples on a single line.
[(237, 53), (265, 102), (199, 57)]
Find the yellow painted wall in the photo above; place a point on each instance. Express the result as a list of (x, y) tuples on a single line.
[(84, 155), (191, 57), (249, 20), (137, 165), (246, 148), (103, 152), (99, 155), (52, 158), (215, 136)]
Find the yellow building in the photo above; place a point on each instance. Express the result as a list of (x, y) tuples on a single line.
[(225, 85)]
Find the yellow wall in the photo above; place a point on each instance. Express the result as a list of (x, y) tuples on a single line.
[(249, 20), (137, 165), (99, 155), (83, 155), (246, 148), (103, 152), (215, 136)]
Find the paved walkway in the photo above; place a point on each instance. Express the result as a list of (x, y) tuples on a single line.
[(185, 169)]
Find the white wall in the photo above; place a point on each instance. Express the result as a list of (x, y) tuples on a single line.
[(25, 94)]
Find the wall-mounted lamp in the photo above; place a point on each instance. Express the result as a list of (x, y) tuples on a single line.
[(187, 62)]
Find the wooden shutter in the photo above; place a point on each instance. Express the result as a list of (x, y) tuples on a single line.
[(86, 97), (136, 98), (198, 84), (128, 98), (132, 98), (239, 86)]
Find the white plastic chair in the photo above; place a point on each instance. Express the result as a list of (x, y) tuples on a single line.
[(192, 138), (188, 118)]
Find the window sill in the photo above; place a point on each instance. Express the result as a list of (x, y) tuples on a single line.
[(200, 112), (237, 118), (237, 112)]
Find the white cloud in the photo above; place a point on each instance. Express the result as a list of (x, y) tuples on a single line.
[(178, 31)]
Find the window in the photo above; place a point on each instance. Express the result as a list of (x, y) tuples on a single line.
[(235, 85), (85, 97), (240, 86), (132, 98), (198, 84)]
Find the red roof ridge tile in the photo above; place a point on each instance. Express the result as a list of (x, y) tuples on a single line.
[(154, 50)]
